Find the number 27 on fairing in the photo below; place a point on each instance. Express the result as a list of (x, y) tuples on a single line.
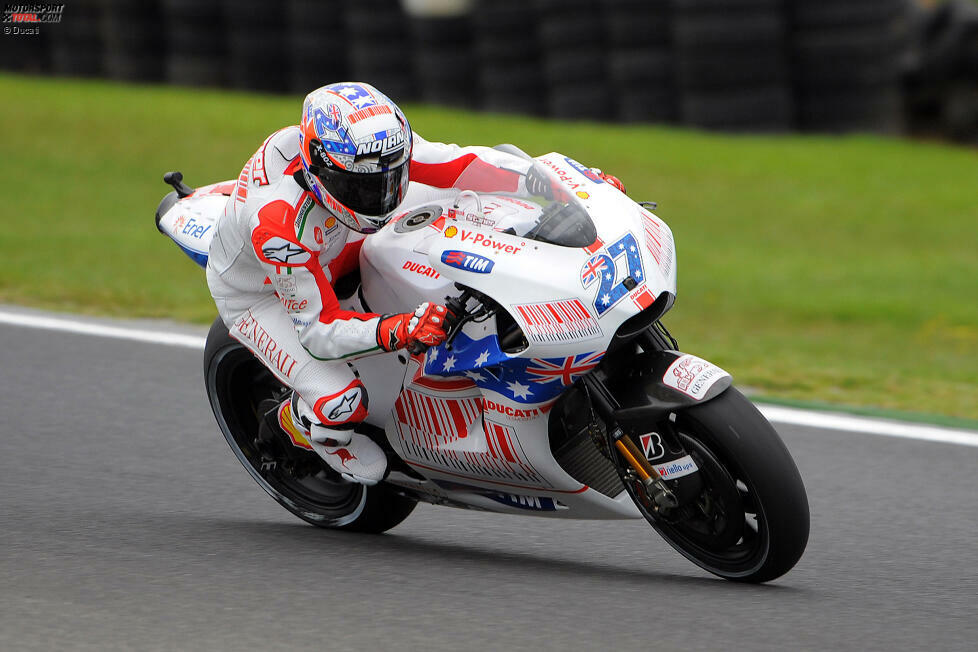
[(601, 267)]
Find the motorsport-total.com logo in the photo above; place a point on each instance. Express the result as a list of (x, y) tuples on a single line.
[(26, 18)]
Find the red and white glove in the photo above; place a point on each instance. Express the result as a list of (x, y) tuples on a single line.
[(610, 179), (410, 330)]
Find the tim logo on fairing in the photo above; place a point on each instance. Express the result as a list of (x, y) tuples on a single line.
[(468, 262)]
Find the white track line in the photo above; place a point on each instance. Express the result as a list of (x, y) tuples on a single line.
[(775, 413), (34, 320), (884, 427)]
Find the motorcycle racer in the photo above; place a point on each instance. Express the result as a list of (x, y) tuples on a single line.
[(294, 225)]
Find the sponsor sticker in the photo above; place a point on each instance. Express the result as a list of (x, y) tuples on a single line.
[(488, 241), (467, 261), (285, 285), (382, 147), (586, 171), (418, 268), (516, 414), (693, 376), (537, 503), (451, 232), (652, 445), (294, 305), (298, 438), (192, 228), (250, 332), (565, 177), (676, 468)]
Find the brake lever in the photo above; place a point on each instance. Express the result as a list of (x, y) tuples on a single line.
[(459, 316)]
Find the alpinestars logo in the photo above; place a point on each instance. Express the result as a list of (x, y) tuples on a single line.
[(346, 406), (284, 253), (387, 332)]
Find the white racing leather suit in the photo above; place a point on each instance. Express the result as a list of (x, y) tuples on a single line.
[(276, 254)]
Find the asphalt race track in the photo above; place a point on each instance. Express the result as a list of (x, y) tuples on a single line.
[(126, 523)]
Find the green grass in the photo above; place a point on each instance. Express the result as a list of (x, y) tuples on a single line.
[(839, 269)]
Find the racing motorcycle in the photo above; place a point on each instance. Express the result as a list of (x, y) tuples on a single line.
[(558, 391)]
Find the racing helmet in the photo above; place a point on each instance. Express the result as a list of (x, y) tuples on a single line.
[(355, 146)]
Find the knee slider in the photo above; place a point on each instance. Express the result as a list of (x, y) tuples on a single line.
[(348, 406)]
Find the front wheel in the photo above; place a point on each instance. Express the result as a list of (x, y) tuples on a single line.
[(750, 520), (239, 387)]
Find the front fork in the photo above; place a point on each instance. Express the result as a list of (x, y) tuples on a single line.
[(639, 467)]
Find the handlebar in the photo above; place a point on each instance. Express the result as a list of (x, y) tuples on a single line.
[(459, 315)]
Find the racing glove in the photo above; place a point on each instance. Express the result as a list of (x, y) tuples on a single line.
[(415, 331)]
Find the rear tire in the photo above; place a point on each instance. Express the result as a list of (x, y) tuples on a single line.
[(237, 383), (750, 523)]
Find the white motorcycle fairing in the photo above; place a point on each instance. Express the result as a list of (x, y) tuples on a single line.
[(471, 418)]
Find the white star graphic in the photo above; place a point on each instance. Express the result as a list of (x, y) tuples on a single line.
[(475, 375), (348, 91), (481, 360), (632, 248), (638, 274), (608, 276), (449, 363), (432, 355), (519, 390), (606, 299)]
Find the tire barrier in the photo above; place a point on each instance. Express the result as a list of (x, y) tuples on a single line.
[(740, 65), (132, 42), (574, 68), (76, 45), (380, 47), (196, 43), (942, 80), (255, 37), (508, 57), (732, 66), (443, 60), (314, 61), (641, 61), (848, 58)]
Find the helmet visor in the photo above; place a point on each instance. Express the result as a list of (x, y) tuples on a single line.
[(372, 193)]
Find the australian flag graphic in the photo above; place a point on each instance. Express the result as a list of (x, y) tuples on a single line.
[(524, 380)]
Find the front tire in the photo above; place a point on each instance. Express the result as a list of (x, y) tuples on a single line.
[(750, 522), (237, 383)]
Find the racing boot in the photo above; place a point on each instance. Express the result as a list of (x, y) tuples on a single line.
[(354, 456)]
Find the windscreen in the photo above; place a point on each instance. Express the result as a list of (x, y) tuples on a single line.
[(531, 203)]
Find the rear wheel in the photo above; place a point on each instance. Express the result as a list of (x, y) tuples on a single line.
[(237, 384), (749, 521)]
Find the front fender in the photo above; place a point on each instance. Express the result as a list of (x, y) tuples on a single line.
[(655, 383)]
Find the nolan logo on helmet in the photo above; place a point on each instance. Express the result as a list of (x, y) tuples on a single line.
[(383, 148)]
